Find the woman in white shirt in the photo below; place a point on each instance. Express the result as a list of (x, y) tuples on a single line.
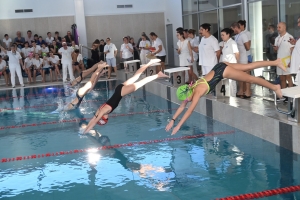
[(6, 42), (159, 51), (144, 47), (185, 52), (37, 65), (230, 54), (126, 50), (194, 43)]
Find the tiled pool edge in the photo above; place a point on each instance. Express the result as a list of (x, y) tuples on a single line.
[(280, 133)]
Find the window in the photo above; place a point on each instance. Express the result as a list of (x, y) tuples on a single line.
[(190, 21), (228, 2), (207, 4), (210, 17), (189, 6), (289, 13)]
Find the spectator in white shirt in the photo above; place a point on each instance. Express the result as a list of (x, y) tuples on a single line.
[(46, 69), (195, 44), (186, 34), (36, 48), (26, 50), (243, 46), (110, 50), (209, 50), (44, 49), (29, 66), (230, 51), (55, 63), (37, 63), (15, 60), (144, 48), (4, 70), (295, 60), (49, 38), (66, 60), (159, 51), (29, 37), (74, 45), (126, 50), (284, 50), (6, 41), (242, 24)]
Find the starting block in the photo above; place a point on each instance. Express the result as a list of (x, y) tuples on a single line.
[(131, 65), (151, 70), (177, 75), (293, 111), (226, 88)]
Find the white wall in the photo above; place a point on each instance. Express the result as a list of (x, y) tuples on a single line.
[(105, 7), (41, 8)]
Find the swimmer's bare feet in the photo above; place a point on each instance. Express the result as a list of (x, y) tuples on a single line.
[(278, 91), (162, 75), (152, 61), (280, 64)]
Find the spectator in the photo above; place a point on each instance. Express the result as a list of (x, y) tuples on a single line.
[(74, 45), (64, 40), (144, 47), (29, 37), (44, 49), (19, 40), (243, 46), (95, 53), (77, 62), (159, 51), (26, 50), (29, 66), (36, 38), (126, 50), (135, 50), (40, 41), (295, 60), (270, 41), (37, 66), (186, 34), (209, 50), (15, 60), (69, 38), (57, 38), (36, 48), (242, 24), (185, 52), (4, 70), (55, 64), (54, 47), (101, 49), (110, 51), (7, 41), (139, 41), (194, 44), (66, 61), (49, 38), (284, 48), (47, 69)]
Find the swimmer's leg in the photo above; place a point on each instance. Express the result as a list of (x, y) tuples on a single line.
[(137, 74), (127, 89), (258, 64)]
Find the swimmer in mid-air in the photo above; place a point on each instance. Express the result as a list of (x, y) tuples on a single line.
[(129, 86), (192, 93)]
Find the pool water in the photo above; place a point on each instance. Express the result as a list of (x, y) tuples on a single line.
[(216, 165)]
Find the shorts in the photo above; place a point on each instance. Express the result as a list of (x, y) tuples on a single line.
[(111, 62), (162, 58), (76, 63), (47, 70)]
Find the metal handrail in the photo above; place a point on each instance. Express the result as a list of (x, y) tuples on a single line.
[(289, 112)]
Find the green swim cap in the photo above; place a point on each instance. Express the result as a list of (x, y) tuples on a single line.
[(44, 54), (183, 92)]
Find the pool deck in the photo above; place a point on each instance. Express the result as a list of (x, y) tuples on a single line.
[(255, 115)]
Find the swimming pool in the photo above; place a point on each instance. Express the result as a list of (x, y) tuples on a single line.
[(142, 161)]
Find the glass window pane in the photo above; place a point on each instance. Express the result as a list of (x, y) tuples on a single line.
[(229, 15), (189, 6), (228, 2), (190, 21), (210, 17), (261, 15), (207, 5), (289, 13)]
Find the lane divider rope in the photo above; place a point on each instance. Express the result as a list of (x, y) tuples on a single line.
[(46, 105), (265, 193), (80, 119), (116, 146)]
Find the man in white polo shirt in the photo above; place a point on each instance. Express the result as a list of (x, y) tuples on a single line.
[(66, 61), (110, 50), (284, 48), (295, 60), (15, 60)]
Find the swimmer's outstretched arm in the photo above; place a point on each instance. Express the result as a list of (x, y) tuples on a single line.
[(188, 113), (177, 113), (104, 110)]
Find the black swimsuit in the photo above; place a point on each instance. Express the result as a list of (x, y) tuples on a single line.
[(218, 76), (115, 99)]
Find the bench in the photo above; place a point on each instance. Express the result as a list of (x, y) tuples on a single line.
[(177, 75), (131, 65), (293, 111)]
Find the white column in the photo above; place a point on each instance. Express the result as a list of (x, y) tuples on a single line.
[(81, 27)]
